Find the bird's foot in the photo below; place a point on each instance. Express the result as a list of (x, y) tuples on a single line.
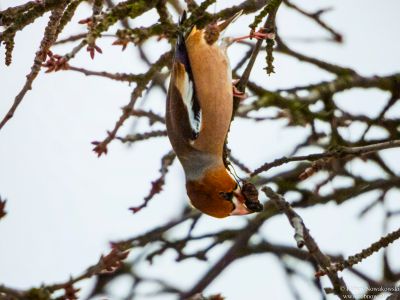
[(236, 92), (259, 35)]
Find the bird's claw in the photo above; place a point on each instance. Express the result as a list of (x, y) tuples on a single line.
[(259, 35), (236, 92)]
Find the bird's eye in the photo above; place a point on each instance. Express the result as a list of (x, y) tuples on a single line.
[(226, 195)]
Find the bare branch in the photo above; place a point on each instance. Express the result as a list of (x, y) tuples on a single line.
[(365, 253), (303, 237), (340, 152), (50, 36)]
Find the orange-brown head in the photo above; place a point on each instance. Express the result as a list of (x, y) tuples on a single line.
[(217, 194)]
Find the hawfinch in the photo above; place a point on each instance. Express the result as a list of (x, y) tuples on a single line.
[(198, 116)]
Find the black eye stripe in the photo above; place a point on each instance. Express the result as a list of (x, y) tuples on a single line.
[(227, 195)]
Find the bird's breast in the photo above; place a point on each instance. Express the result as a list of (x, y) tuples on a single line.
[(212, 75)]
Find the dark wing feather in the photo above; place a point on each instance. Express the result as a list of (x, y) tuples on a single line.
[(189, 95), (177, 120)]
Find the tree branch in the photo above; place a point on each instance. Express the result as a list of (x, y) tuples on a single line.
[(303, 237), (50, 36)]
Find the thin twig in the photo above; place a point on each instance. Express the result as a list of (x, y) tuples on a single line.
[(233, 253), (317, 18), (294, 219), (114, 76), (50, 36), (153, 117), (340, 152), (303, 236), (329, 67), (77, 37), (101, 147), (244, 79), (157, 185), (365, 253), (132, 138)]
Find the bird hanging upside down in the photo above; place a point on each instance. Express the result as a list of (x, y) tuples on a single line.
[(198, 116)]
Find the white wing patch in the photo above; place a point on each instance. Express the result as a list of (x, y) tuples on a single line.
[(192, 106)]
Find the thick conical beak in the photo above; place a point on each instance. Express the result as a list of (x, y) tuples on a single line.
[(239, 202)]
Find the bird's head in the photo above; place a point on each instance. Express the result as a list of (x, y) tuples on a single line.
[(217, 194)]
